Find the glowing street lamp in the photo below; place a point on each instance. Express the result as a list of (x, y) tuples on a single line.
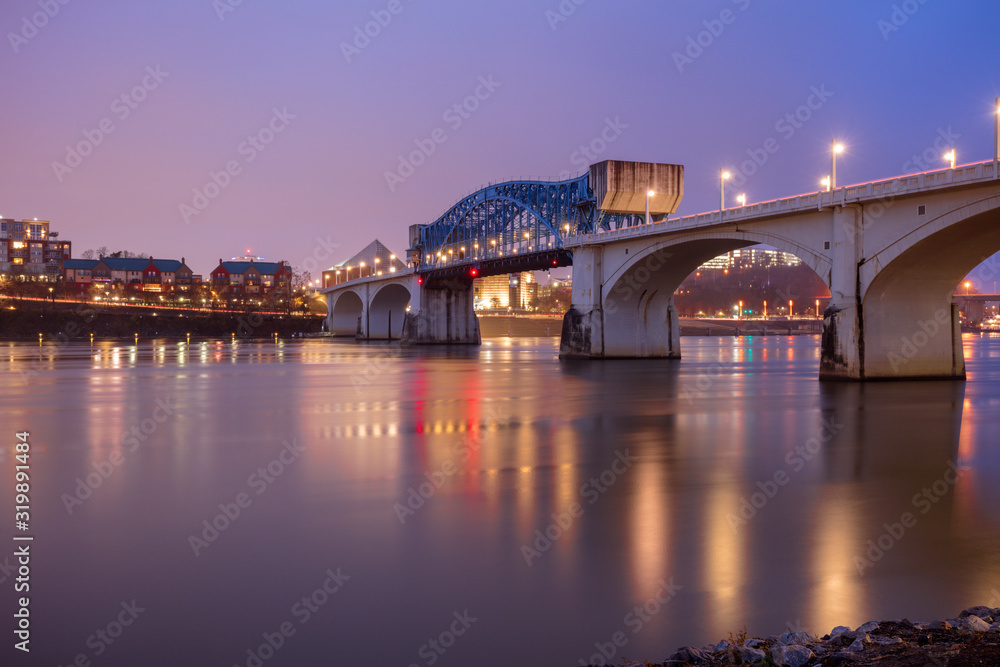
[(996, 134), (967, 286), (742, 199), (825, 183), (835, 150), (950, 157), (790, 304), (723, 177), (649, 193)]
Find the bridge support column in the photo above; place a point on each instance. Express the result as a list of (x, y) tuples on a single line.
[(442, 314), (637, 320), (905, 327), (583, 325), (842, 350)]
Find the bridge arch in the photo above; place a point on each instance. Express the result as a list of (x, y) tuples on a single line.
[(690, 251), (910, 322), (639, 294), (386, 312), (345, 312)]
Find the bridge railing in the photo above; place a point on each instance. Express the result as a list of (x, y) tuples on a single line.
[(892, 187)]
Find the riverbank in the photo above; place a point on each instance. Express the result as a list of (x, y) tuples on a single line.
[(79, 323), (971, 638)]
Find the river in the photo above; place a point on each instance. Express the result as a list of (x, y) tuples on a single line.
[(329, 502)]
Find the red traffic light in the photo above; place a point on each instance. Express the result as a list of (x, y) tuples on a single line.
[(474, 272), (420, 281)]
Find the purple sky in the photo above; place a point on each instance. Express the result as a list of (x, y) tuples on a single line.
[(894, 85)]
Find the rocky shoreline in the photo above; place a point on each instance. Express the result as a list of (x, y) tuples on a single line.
[(972, 638)]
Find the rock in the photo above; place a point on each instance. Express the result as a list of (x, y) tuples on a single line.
[(839, 630), (859, 644), (753, 642), (939, 625), (979, 611), (790, 638), (791, 656), (689, 655), (838, 659), (870, 626), (974, 624), (752, 656), (885, 641), (995, 627), (721, 646)]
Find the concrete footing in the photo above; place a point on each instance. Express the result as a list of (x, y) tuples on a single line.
[(445, 316), (916, 344), (652, 332)]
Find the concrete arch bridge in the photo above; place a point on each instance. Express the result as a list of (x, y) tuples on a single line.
[(891, 251)]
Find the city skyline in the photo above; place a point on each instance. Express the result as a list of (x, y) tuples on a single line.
[(204, 129)]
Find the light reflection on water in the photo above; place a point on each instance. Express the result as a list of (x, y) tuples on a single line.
[(492, 447)]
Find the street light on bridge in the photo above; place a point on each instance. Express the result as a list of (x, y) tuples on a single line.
[(825, 183), (723, 177), (742, 199), (950, 157), (649, 193), (996, 135), (835, 150)]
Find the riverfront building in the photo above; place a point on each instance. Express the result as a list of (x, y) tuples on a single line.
[(505, 291), (29, 250), (745, 258), (132, 274), (239, 279)]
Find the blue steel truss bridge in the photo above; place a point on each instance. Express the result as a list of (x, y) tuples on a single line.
[(521, 225)]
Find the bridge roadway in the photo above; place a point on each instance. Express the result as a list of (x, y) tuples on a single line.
[(891, 251)]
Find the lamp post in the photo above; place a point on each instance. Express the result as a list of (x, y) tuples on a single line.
[(723, 177), (950, 157), (790, 312), (742, 199), (649, 193), (825, 183), (996, 136), (835, 149)]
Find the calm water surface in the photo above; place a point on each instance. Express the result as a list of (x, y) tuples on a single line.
[(426, 480)]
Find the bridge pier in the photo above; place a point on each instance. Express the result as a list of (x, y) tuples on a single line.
[(638, 320), (905, 327), (442, 314)]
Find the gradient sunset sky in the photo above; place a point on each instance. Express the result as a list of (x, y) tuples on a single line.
[(700, 83)]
